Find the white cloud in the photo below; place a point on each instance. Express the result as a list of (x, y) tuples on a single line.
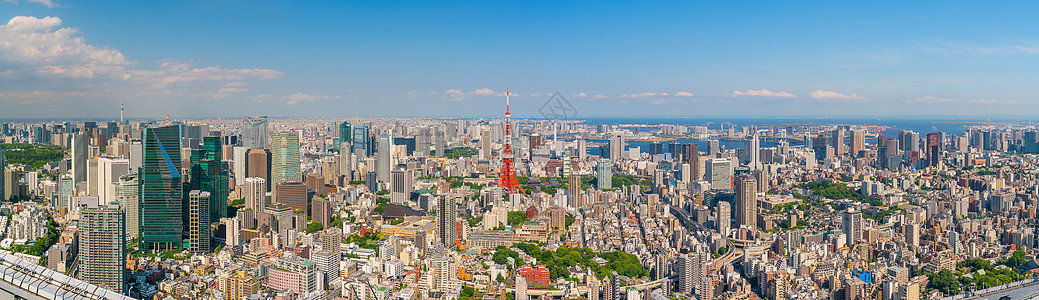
[(296, 98), (579, 95), (484, 92), (684, 94), (829, 95), (48, 3), (641, 95), (763, 93), (599, 97), (232, 90), (412, 94), (930, 100), (46, 56)]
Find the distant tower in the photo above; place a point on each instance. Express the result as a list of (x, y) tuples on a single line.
[(121, 112), (507, 180)]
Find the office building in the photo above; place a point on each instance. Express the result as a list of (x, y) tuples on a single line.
[(345, 133), (255, 132), (285, 159), (385, 158), (255, 194), (719, 173), (446, 217), (851, 222), (209, 173), (79, 157), (258, 163), (161, 189), (198, 221), (691, 156), (126, 191), (746, 201), (724, 218), (604, 174), (292, 194)]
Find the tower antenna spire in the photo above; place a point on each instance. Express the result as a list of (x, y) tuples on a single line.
[(507, 179)]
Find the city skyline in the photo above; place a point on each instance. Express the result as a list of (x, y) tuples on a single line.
[(71, 60)]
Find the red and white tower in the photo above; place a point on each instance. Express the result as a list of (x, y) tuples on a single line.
[(507, 177)]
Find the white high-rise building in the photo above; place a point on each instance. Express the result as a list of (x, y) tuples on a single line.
[(239, 156), (109, 170), (255, 193), (753, 149), (719, 173)]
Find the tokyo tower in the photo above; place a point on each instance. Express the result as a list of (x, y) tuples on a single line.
[(507, 178)]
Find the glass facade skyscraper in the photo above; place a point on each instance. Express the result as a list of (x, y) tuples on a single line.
[(161, 189), (210, 174), (255, 132), (285, 158)]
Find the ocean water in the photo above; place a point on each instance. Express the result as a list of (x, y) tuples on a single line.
[(923, 126)]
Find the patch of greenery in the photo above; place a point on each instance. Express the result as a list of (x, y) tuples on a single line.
[(457, 153), (363, 240), (313, 227), (833, 190), (475, 221), (33, 155), (569, 220), (516, 218), (237, 202), (558, 262)]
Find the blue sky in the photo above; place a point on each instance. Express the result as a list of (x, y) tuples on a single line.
[(784, 58)]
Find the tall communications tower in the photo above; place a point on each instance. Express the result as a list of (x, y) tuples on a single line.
[(507, 178)]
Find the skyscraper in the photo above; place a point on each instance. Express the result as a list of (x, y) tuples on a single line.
[(385, 158), (400, 187), (102, 247), (255, 193), (3, 166), (79, 157), (360, 141), (934, 144), (259, 165), (837, 140), (160, 189), (573, 192), (446, 215), (209, 173), (255, 132), (285, 160), (724, 218), (691, 155), (719, 173), (604, 174), (753, 149), (746, 201), (198, 221), (126, 194), (858, 142), (345, 162), (345, 132), (851, 224), (616, 147)]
